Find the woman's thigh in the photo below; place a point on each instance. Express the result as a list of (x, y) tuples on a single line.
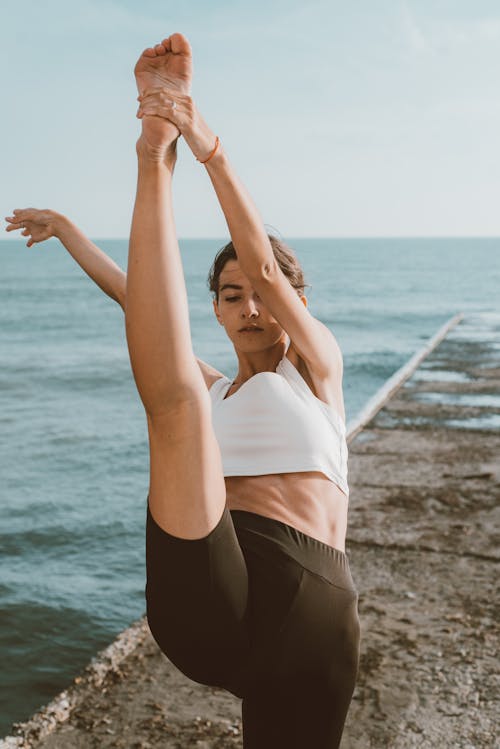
[(187, 492), (305, 637), (197, 597), (302, 697)]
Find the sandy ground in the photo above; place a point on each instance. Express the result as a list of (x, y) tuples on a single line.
[(424, 551)]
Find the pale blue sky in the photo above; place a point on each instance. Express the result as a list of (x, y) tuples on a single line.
[(361, 118)]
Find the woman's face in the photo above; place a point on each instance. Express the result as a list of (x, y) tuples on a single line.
[(240, 307)]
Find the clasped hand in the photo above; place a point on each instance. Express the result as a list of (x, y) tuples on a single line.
[(181, 110)]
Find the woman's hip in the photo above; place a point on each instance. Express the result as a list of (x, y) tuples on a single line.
[(253, 600)]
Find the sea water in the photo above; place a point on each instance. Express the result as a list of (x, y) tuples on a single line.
[(74, 453)]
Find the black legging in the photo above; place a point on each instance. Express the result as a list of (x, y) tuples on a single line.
[(266, 612)]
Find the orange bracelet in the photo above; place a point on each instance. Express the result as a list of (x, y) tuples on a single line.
[(217, 141)]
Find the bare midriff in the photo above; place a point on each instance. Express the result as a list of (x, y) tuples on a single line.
[(306, 500)]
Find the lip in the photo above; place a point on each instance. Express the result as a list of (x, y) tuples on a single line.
[(250, 330)]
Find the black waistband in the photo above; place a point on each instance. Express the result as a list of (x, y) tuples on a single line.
[(312, 554)]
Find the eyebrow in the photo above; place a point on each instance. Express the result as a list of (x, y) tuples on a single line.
[(230, 286)]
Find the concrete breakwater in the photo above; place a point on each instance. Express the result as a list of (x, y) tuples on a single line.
[(424, 473)]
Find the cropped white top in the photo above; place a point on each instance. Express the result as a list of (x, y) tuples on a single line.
[(275, 424)]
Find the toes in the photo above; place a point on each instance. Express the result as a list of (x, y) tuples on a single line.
[(160, 49), (149, 52), (179, 44)]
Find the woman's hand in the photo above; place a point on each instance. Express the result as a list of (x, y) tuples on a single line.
[(181, 110), (38, 225)]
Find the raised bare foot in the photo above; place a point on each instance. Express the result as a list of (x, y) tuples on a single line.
[(167, 64)]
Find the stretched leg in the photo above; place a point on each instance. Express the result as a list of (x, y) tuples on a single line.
[(187, 491), (197, 582)]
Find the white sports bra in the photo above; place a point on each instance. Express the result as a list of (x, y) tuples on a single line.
[(275, 424)]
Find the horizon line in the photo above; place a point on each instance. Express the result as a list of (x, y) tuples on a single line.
[(292, 238)]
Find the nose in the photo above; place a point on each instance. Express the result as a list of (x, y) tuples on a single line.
[(250, 309)]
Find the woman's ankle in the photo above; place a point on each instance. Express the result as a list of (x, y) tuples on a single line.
[(165, 155)]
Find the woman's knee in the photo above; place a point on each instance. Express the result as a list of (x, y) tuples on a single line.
[(184, 406), (215, 658)]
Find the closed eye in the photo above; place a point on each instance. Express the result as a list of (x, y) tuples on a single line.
[(231, 298)]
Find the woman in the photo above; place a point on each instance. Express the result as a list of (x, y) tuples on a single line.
[(248, 586)]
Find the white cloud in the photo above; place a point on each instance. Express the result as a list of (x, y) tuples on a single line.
[(446, 33), (417, 40), (487, 28)]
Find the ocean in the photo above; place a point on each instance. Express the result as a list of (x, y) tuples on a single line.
[(74, 453)]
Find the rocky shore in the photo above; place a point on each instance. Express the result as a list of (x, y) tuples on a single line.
[(424, 550)]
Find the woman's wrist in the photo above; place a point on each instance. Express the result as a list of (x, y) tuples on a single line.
[(218, 160), (205, 147), (60, 224), (199, 137)]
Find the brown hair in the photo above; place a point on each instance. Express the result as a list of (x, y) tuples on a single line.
[(285, 257)]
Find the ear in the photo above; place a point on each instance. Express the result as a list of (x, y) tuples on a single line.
[(303, 299), (216, 310)]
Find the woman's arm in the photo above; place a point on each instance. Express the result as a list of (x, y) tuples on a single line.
[(40, 225), (311, 338), (247, 231)]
